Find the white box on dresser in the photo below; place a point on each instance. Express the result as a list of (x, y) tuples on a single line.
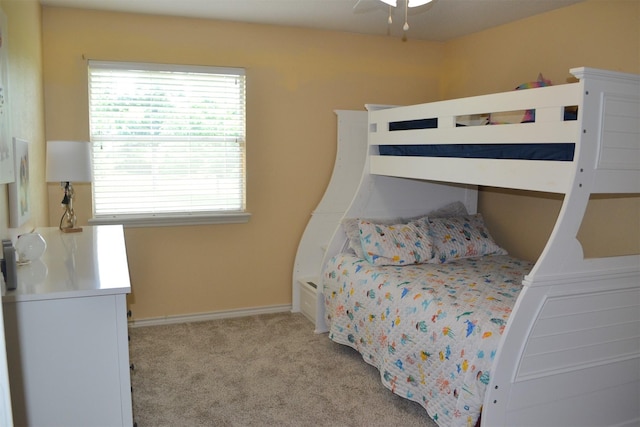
[(66, 332)]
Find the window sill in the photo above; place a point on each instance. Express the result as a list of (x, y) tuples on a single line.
[(173, 220)]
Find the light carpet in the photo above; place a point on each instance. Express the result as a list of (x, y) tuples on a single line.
[(267, 370)]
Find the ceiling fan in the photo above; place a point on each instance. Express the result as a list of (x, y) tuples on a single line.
[(407, 5)]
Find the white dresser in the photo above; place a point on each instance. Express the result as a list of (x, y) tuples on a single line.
[(66, 332)]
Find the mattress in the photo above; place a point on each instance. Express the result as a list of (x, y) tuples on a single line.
[(432, 330)]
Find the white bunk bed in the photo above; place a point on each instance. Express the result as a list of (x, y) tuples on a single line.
[(570, 352), (350, 158)]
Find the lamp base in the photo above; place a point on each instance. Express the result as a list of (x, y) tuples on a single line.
[(71, 230)]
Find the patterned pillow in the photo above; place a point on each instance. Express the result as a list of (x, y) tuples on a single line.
[(461, 237), (352, 230), (350, 225), (399, 244)]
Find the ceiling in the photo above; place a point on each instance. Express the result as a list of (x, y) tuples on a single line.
[(439, 20)]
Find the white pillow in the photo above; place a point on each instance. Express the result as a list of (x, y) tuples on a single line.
[(452, 209)]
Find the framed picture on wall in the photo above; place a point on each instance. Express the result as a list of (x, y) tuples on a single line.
[(6, 147), (19, 203)]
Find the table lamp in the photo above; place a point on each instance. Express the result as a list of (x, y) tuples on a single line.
[(68, 161)]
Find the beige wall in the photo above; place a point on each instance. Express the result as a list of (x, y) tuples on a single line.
[(295, 79), (25, 98), (595, 33), (600, 34)]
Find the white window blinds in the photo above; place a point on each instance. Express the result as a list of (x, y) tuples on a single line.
[(166, 139)]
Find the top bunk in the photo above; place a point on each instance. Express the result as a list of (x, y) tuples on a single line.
[(579, 135)]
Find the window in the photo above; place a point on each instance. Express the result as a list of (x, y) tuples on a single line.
[(168, 143)]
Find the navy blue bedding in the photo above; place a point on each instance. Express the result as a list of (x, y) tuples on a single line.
[(535, 151), (556, 152)]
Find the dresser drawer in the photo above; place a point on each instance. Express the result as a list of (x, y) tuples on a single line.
[(308, 299)]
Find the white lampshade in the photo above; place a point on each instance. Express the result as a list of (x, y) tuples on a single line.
[(68, 161)]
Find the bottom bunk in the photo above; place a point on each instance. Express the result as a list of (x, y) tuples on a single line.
[(435, 305), (431, 330), (455, 324), (430, 324)]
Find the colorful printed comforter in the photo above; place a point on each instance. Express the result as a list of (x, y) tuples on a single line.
[(432, 330)]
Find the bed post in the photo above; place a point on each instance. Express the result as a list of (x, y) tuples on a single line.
[(350, 155), (570, 354)]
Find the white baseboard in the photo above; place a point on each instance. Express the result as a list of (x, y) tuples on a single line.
[(213, 315)]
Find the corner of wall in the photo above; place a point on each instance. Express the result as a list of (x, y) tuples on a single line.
[(26, 98)]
